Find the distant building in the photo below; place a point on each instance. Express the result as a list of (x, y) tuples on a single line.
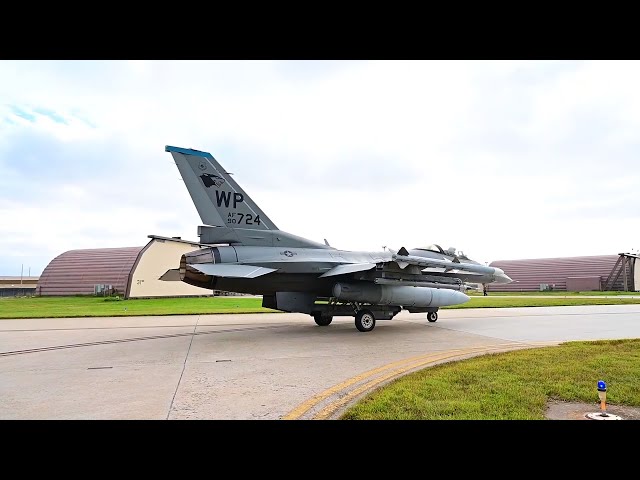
[(158, 256), (18, 286), (132, 272), (574, 274)]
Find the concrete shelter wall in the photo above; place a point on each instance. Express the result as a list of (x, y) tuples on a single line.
[(158, 257)]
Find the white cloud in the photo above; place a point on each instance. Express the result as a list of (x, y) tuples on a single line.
[(500, 159)]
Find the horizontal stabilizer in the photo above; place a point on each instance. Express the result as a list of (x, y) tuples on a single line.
[(172, 275), (233, 271), (350, 268)]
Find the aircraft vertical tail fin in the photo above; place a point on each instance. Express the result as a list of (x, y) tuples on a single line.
[(229, 214), (220, 201)]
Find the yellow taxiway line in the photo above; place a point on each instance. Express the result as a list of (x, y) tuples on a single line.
[(396, 369)]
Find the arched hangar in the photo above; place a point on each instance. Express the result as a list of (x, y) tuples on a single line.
[(574, 274), (132, 272)]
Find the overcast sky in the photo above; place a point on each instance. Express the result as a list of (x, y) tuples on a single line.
[(500, 159)]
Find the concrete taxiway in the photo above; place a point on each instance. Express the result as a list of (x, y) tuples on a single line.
[(256, 366)]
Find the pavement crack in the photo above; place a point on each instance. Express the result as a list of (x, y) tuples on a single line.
[(184, 366)]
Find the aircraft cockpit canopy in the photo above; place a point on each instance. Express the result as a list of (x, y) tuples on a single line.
[(433, 248), (451, 251)]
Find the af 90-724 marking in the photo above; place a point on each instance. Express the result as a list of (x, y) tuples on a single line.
[(248, 219)]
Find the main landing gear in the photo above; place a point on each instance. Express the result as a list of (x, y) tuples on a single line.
[(365, 320), (322, 320), (365, 315)]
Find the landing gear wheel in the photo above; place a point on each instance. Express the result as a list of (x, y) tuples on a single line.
[(322, 320), (432, 316), (365, 321)]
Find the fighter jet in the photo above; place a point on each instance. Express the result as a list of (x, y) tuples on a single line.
[(243, 251)]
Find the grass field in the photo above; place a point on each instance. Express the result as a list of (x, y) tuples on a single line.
[(45, 307), (495, 301), (555, 293), (510, 386), (49, 307)]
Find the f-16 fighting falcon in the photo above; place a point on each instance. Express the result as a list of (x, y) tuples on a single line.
[(243, 251)]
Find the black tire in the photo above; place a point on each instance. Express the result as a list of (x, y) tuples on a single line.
[(432, 316), (365, 321), (322, 320)]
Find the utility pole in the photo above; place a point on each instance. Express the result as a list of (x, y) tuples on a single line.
[(21, 270)]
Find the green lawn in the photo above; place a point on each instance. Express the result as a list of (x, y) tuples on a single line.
[(35, 307), (514, 385), (498, 301), (556, 293), (45, 307)]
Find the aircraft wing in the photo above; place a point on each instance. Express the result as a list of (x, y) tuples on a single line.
[(234, 271), (348, 268)]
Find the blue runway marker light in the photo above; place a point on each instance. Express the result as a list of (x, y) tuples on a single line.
[(602, 394)]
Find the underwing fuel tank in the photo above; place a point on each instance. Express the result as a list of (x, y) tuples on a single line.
[(398, 295)]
